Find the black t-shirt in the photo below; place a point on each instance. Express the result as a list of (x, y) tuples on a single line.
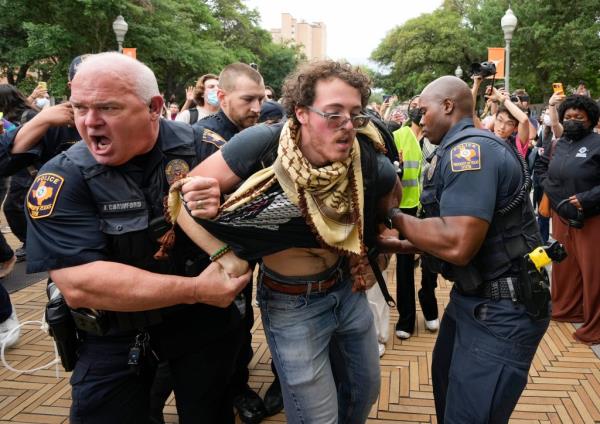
[(255, 229)]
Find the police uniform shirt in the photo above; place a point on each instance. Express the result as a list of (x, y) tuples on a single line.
[(65, 229), (215, 131), (64, 226), (477, 174)]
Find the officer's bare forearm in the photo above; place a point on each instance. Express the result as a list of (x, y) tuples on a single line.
[(454, 239), (29, 135), (119, 287)]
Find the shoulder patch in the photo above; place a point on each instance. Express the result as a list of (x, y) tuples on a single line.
[(209, 136), (465, 157), (42, 195), (175, 170)]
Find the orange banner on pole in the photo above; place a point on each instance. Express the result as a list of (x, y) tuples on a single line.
[(130, 51), (496, 55)]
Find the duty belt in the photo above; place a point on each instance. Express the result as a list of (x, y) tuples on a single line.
[(502, 288)]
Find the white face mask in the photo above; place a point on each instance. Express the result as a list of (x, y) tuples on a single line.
[(42, 102), (212, 98), (547, 121)]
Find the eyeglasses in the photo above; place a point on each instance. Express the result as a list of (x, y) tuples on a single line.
[(336, 121)]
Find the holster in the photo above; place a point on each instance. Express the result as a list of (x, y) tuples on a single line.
[(534, 290), (62, 327)]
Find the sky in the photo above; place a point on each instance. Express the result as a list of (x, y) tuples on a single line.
[(354, 28)]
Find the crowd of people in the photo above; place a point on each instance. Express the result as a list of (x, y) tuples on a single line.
[(151, 219)]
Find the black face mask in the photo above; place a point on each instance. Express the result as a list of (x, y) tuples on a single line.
[(415, 116), (575, 130)]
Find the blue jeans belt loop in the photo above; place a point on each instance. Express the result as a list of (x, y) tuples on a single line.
[(502, 288), (303, 288)]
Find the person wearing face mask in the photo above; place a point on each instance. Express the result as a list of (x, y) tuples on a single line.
[(571, 179), (408, 141), (201, 100), (42, 103)]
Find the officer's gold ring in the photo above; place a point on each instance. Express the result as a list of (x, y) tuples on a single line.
[(199, 204)]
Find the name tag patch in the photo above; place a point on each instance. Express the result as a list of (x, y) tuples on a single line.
[(122, 206), (42, 195), (465, 157)]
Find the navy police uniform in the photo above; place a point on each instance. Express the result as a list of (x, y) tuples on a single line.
[(215, 130), (487, 339), (79, 212)]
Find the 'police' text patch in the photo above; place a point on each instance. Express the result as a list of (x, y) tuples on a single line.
[(43, 194), (465, 157)]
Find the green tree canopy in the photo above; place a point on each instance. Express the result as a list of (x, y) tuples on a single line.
[(554, 41), (179, 39)]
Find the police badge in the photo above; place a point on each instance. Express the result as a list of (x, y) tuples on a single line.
[(176, 169)]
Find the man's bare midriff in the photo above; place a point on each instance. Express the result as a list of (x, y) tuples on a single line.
[(300, 261)]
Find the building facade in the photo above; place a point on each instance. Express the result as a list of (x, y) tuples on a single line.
[(311, 37)]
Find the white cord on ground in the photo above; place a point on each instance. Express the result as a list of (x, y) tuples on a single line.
[(44, 327)]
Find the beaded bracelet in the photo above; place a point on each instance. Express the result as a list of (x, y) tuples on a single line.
[(226, 248)]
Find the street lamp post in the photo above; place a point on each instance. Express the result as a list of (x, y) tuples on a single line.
[(120, 29), (458, 72), (508, 23)]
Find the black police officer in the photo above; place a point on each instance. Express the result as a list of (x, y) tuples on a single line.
[(94, 216), (241, 92), (479, 224)]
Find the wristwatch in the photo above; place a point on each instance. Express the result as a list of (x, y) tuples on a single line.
[(390, 215)]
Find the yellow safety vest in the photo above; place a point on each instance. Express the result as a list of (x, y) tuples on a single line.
[(406, 142)]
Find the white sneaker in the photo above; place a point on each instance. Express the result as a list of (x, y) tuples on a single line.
[(6, 327), (402, 334), (381, 347), (432, 325)]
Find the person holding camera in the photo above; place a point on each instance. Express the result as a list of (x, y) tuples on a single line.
[(510, 123), (569, 175)]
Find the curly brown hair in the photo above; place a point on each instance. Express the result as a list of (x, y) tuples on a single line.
[(199, 89), (299, 87)]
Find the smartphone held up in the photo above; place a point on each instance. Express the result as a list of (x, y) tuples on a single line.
[(557, 88)]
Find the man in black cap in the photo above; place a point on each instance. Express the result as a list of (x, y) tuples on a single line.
[(271, 112)]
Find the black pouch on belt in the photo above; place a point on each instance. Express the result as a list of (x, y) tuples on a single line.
[(62, 327), (534, 290)]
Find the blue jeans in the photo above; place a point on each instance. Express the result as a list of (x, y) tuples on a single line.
[(314, 336), (481, 359)]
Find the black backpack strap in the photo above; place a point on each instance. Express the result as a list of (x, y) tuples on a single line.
[(193, 115), (372, 256)]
